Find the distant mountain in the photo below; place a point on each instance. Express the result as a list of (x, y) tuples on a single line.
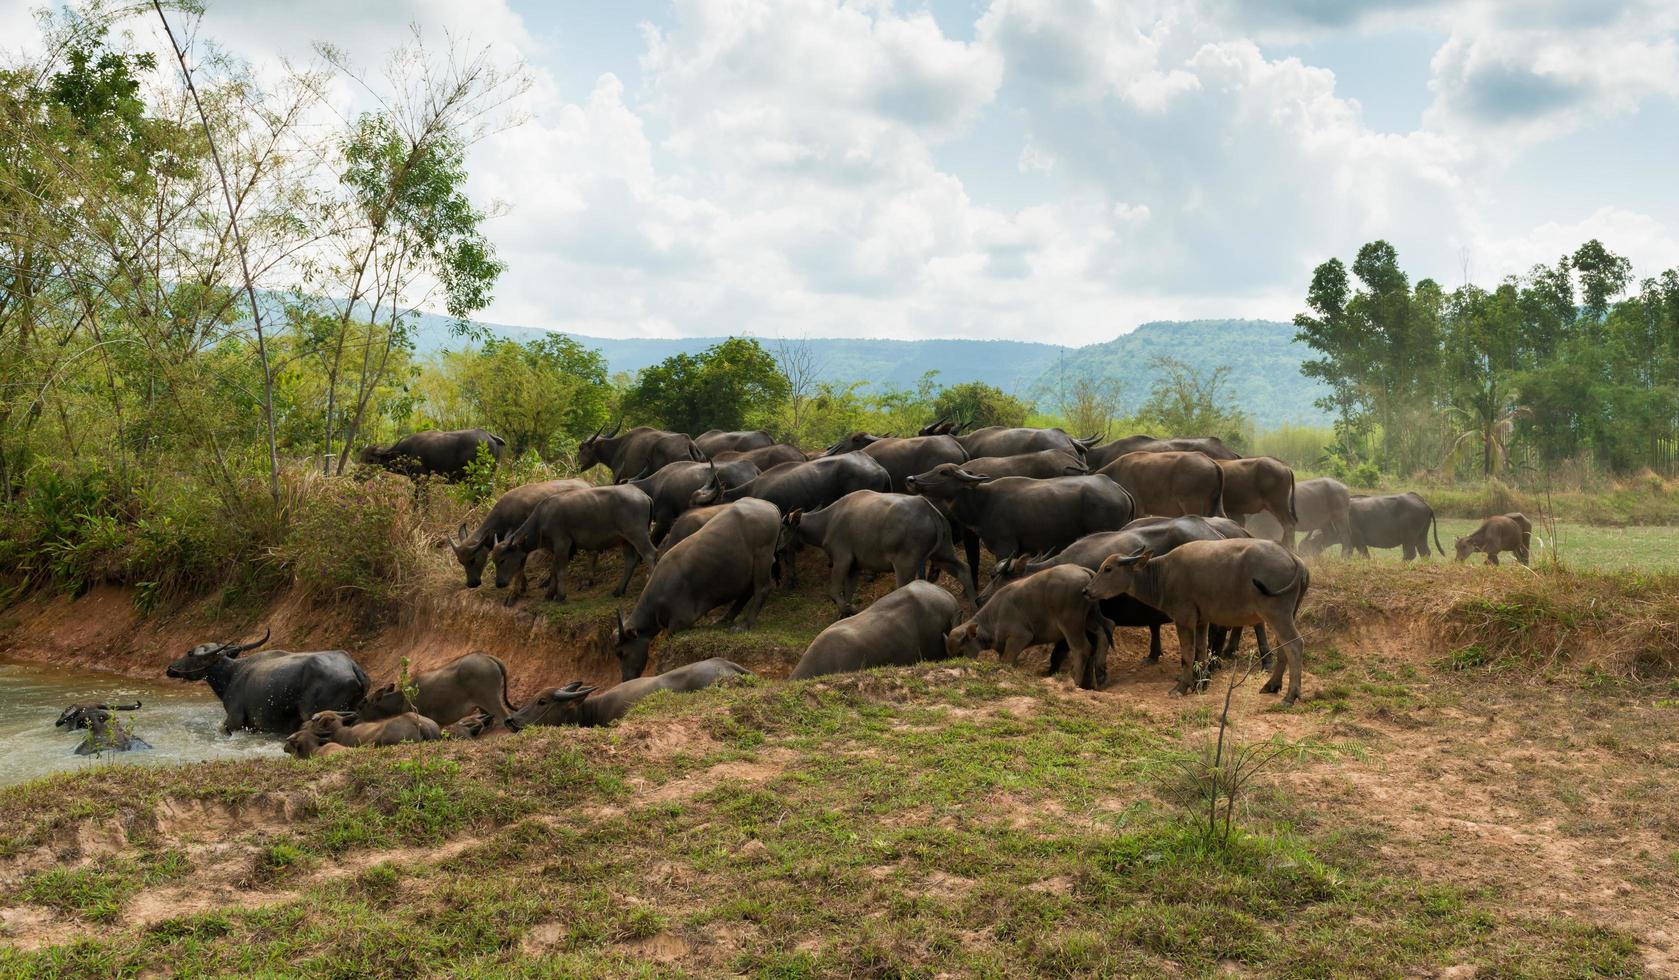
[(1263, 358)]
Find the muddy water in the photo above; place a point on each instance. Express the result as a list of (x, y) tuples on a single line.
[(181, 721)]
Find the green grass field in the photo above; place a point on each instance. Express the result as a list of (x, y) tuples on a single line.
[(1583, 547)]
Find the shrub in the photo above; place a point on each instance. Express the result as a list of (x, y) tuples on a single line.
[(350, 538)]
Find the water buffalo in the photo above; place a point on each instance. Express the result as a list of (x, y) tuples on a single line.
[(589, 520), (273, 691), (640, 450), (803, 486), (305, 744), (714, 441), (766, 457), (1399, 520), (571, 705), (344, 728), (1157, 535), (727, 560), (106, 732), (434, 453), (1325, 504), (1046, 464), (996, 440), (512, 510), (472, 726), (902, 458), (80, 715), (1050, 606), (672, 488), (1211, 446), (870, 531), (469, 683), (905, 626), (687, 524), (1170, 484), (1260, 484), (1496, 534), (1016, 515), (1231, 583)]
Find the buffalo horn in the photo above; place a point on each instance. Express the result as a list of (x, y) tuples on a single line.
[(235, 649)]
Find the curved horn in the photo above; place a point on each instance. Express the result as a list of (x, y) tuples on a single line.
[(619, 615), (616, 429), (120, 707), (235, 649)]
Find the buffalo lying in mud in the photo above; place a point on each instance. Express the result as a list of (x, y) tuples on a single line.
[(344, 728), (905, 626), (1051, 606), (1506, 532), (273, 691), (640, 450), (470, 683), (572, 705), (434, 453), (509, 513), (80, 715), (1231, 583), (105, 731), (728, 560), (870, 531), (579, 520)]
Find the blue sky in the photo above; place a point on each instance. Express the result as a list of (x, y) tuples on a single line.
[(1033, 169)]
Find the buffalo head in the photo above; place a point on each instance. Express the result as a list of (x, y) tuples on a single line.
[(557, 706), (83, 715), (509, 554), (851, 443), (631, 646), (589, 451), (472, 726), (383, 702), (963, 641), (203, 658), (944, 480), (326, 725), (471, 554), (1116, 575)]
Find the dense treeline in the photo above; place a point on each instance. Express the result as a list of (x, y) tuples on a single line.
[(1572, 363)]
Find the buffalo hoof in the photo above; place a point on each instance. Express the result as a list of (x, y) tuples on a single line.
[(1271, 687), (509, 601), (1178, 690), (1152, 658), (1287, 702)]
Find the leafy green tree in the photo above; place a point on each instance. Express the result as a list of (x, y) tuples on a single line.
[(1482, 361), (979, 404), (1190, 401), (543, 395), (730, 385)]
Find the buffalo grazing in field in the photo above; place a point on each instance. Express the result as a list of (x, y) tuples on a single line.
[(579, 520), (870, 531), (1050, 606), (510, 511), (1496, 534)]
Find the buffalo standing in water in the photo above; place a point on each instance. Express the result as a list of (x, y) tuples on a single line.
[(274, 691)]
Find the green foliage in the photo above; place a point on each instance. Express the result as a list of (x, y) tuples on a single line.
[(735, 384), (353, 539), (542, 396), (1192, 401), (978, 404)]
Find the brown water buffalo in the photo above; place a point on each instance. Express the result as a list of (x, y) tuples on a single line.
[(472, 682), (672, 488), (572, 705), (344, 728), (764, 458), (869, 531), (714, 441), (579, 520), (1324, 504), (1211, 446), (1231, 583), (905, 626), (472, 726), (1157, 535), (434, 453), (510, 511), (640, 450), (1045, 607), (1045, 464), (1015, 515), (728, 560), (305, 744), (272, 691), (1170, 484), (902, 458), (1398, 520), (996, 440), (1496, 534), (1259, 484)]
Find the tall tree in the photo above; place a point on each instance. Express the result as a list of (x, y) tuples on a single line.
[(729, 385)]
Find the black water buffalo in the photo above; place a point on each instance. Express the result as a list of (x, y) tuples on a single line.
[(579, 520), (1158, 535), (1045, 464), (510, 511), (902, 458), (1211, 446), (672, 488), (1016, 515), (870, 531), (714, 441), (80, 715), (273, 691), (905, 626), (571, 705), (472, 682), (434, 453), (106, 733), (765, 457), (638, 451), (996, 440), (803, 486), (1261, 484), (1398, 520), (729, 559)]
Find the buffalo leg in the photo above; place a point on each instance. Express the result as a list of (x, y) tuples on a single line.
[(1154, 643), (1186, 657), (632, 559), (1078, 646), (1492, 557), (1293, 652), (970, 544), (842, 585), (1057, 657), (1264, 648), (760, 592), (556, 578)]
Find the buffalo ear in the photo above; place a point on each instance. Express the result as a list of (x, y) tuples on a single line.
[(792, 520), (1144, 556)]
